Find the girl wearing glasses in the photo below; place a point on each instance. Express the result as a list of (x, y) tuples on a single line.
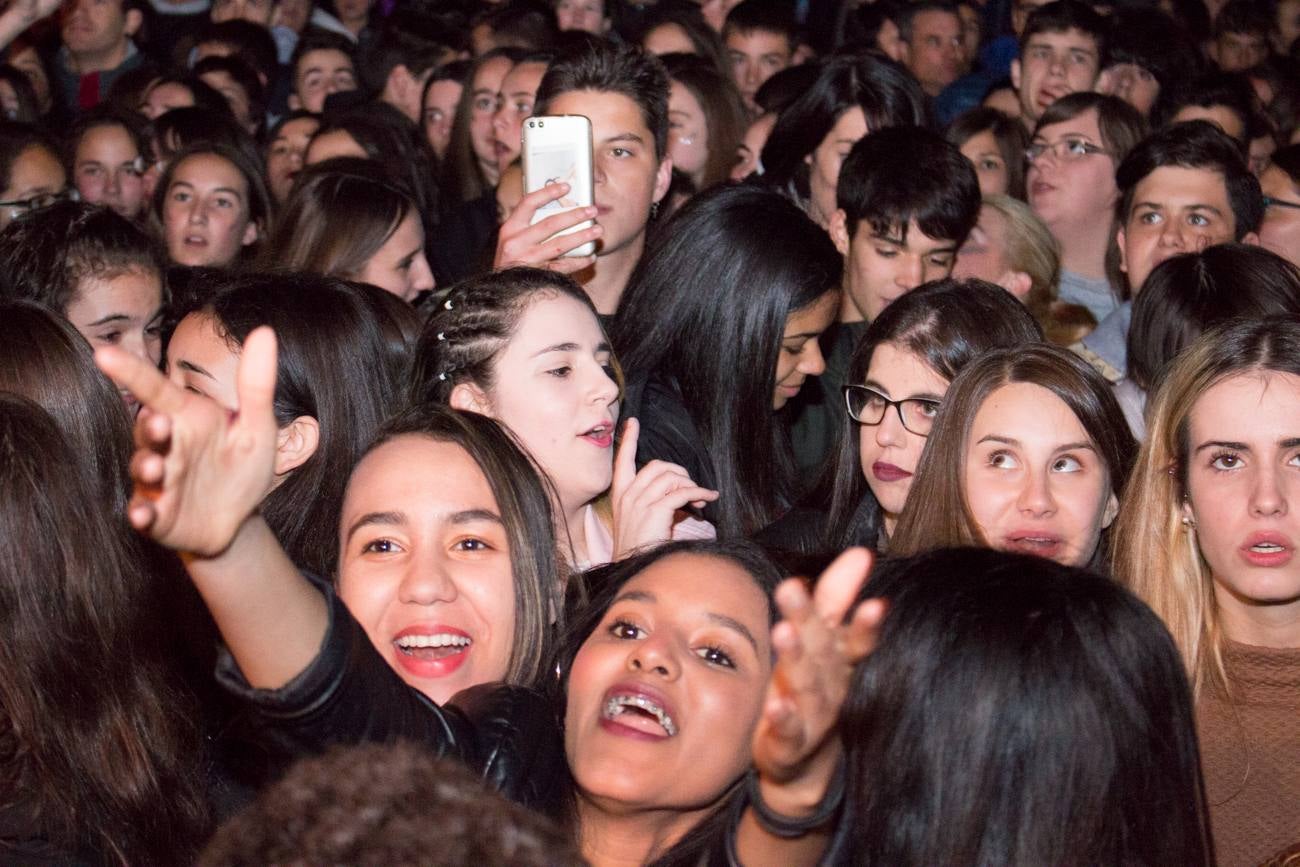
[(31, 173), (1070, 180), (1028, 454), (900, 372)]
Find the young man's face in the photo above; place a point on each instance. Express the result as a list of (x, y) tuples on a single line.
[(256, 11), (1175, 210), (318, 74), (1064, 189), (1235, 52), (756, 55), (97, 26), (1053, 65), (879, 268), (629, 177), (935, 53)]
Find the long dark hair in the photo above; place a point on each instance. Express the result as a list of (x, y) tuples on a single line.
[(1019, 712), (525, 506), (334, 366), (45, 359), (945, 323), (98, 749), (706, 308)]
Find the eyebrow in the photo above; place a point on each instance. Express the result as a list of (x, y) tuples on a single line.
[(1012, 441), (194, 368), (1287, 443), (112, 317), (925, 395), (626, 136), (392, 519), (603, 346), (720, 619)]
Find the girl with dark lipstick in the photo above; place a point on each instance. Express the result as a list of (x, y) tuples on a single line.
[(525, 347), (673, 686), (1028, 453), (899, 374), (1207, 537)]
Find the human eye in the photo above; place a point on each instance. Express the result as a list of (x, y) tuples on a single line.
[(1198, 220), (1149, 218), (989, 164), (1067, 464), (380, 546), (561, 372), (875, 401), (1002, 460), (927, 408), (109, 338), (941, 260), (1225, 461), (484, 103), (1078, 58), (793, 348), (626, 630), (524, 107), (715, 655), (620, 152), (886, 252), (180, 196), (225, 202), (90, 171), (471, 544), (1039, 52), (1076, 146), (345, 80), (280, 149)]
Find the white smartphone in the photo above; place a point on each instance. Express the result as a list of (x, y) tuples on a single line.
[(557, 149)]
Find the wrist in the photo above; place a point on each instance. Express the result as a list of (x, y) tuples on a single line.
[(775, 819), (800, 793)]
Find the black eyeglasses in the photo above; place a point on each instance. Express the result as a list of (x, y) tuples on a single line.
[(1270, 202), (868, 406), (35, 203)]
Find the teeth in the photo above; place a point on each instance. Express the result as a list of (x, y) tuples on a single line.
[(1266, 546), (442, 640), (618, 703)]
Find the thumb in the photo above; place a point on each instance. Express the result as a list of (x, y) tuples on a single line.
[(625, 459), (255, 379)]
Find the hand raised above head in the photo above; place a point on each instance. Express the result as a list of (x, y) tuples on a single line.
[(199, 470)]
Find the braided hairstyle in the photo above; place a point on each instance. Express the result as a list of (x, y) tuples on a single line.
[(464, 336)]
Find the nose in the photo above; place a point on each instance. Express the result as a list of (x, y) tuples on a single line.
[(604, 389), (890, 432), (749, 76), (654, 655), (910, 273), (421, 275), (198, 213), (426, 581), (811, 360), (134, 343), (1036, 495), (1268, 498), (1171, 235)]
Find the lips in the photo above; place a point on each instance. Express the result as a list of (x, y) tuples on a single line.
[(1267, 549), (887, 472), (601, 436), (432, 650), (1036, 542), (636, 711)]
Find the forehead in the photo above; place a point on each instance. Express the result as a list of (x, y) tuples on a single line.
[(902, 372), (1183, 185), (756, 41), (1252, 406), (694, 584), (610, 113), (935, 20), (523, 76), (301, 127), (490, 74), (1085, 125), (554, 319), (916, 240), (137, 291), (416, 474), (329, 59), (1027, 411), (107, 135), (208, 170), (1063, 40)]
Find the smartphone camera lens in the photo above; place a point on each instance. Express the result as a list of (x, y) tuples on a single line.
[(541, 123)]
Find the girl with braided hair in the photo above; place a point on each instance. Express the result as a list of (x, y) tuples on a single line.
[(525, 347)]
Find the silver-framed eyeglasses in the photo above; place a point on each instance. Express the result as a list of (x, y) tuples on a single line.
[(1068, 149), (867, 406)]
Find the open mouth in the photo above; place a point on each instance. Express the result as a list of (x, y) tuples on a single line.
[(601, 436), (1039, 545), (640, 714)]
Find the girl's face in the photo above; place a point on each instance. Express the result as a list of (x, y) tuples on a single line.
[(984, 255), (35, 179), (983, 152), (201, 360), (667, 38), (424, 565), (518, 92), (664, 695), (1242, 473), (890, 452), (162, 98), (553, 388), (801, 354), (108, 169), (1072, 188), (588, 15), (824, 163), (750, 149), (439, 113), (400, 266), (206, 217), (124, 309), (688, 132), (484, 93), (1033, 479), (284, 158)]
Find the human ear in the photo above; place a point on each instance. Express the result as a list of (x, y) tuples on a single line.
[(663, 178), (251, 233), (1112, 510), (468, 397), (840, 231), (1251, 238), (1018, 283), (1015, 74), (134, 18), (295, 443), (294, 102), (1123, 255)]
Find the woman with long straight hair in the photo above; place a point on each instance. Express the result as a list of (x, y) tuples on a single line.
[(1207, 537), (1029, 452), (717, 331)]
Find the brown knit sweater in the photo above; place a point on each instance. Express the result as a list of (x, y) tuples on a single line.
[(1250, 752)]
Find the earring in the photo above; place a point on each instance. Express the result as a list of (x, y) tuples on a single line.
[(654, 210), (1189, 522)]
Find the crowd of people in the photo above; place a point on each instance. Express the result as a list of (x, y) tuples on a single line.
[(891, 466)]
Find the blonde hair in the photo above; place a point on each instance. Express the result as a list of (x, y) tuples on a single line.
[(1155, 554), (1031, 248)]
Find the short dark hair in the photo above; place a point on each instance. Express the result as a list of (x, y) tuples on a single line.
[(907, 15), (1196, 144), (1243, 16), (1009, 134), (1121, 125), (407, 39), (1228, 89), (526, 24), (1063, 15), (45, 256), (621, 69), (243, 75), (907, 173), (885, 92), (1149, 38), (386, 804), (315, 39), (253, 44), (1189, 294), (764, 15)]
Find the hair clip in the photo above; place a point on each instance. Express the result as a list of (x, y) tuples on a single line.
[(441, 336), (442, 377), (446, 305)]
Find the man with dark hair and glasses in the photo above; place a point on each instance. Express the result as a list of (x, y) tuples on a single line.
[(1280, 229)]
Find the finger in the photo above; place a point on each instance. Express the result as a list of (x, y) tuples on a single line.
[(140, 512), (147, 468), (680, 498), (255, 378), (543, 229), (863, 631), (782, 717), (562, 244), (840, 584), (793, 602), (140, 378), (522, 215), (625, 458)]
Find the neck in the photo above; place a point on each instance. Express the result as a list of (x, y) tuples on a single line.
[(631, 838), (1247, 621), (84, 63), (1083, 246), (890, 523), (573, 534), (606, 280)]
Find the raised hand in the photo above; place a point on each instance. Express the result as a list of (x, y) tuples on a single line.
[(198, 470), (522, 243), (646, 502), (796, 745)]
